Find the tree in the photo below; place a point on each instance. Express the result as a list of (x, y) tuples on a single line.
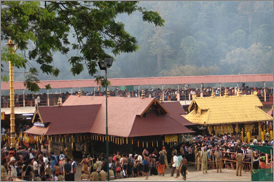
[(43, 28), (255, 60), (190, 70)]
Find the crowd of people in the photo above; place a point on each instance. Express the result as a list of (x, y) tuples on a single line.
[(205, 152), (169, 94)]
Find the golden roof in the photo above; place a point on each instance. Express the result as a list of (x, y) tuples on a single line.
[(226, 110)]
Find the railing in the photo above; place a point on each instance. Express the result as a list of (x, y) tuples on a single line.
[(53, 99)]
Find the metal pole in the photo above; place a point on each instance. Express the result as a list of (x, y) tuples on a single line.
[(107, 124)]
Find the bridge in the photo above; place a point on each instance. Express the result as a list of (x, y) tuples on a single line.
[(170, 80)]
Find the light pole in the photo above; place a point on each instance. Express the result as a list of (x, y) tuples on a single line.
[(104, 66), (10, 44)]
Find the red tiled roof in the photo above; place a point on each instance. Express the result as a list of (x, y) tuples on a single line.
[(176, 111), (19, 85), (122, 114), (66, 119), (153, 124), (270, 112)]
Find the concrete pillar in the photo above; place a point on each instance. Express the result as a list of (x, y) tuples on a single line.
[(48, 97), (149, 95), (60, 90), (264, 91), (24, 100), (189, 96), (163, 96), (201, 94), (220, 89), (178, 94)]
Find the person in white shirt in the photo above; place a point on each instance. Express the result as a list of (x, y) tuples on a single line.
[(35, 168), (45, 159), (174, 163), (140, 158)]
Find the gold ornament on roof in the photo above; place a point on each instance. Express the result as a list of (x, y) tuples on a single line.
[(161, 98), (79, 92), (212, 94), (225, 95), (108, 94), (255, 92), (194, 96), (238, 92), (143, 94)]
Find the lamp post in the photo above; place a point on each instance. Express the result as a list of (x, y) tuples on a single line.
[(107, 63), (10, 44)]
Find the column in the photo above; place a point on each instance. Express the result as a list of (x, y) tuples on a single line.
[(24, 100), (48, 97), (73, 142), (62, 146), (94, 91), (264, 92), (220, 89), (201, 94), (178, 94), (50, 146), (86, 148)]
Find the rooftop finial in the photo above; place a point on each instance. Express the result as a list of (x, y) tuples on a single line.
[(255, 92), (79, 93), (238, 92), (143, 94), (108, 94), (225, 95), (212, 93), (161, 98)]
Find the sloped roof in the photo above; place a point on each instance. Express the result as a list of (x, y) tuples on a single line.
[(152, 124), (66, 119), (176, 111), (226, 110), (270, 112), (122, 114)]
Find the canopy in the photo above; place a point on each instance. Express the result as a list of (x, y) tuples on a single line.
[(264, 149)]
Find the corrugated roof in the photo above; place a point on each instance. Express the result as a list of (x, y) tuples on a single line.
[(225, 110), (122, 114), (19, 85)]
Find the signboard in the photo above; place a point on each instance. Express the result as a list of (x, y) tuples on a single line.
[(2, 115), (171, 138), (38, 124)]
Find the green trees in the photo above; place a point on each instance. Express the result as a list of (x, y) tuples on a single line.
[(43, 29)]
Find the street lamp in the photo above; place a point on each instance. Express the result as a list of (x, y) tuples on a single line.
[(104, 66)]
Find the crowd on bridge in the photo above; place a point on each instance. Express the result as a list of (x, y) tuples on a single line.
[(169, 94), (205, 152)]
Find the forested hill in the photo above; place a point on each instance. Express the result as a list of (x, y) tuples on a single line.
[(199, 38)]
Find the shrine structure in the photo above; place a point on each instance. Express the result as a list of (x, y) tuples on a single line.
[(241, 114)]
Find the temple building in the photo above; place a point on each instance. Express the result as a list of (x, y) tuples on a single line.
[(81, 120), (241, 114)]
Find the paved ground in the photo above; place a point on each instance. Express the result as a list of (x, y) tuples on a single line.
[(212, 175)]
